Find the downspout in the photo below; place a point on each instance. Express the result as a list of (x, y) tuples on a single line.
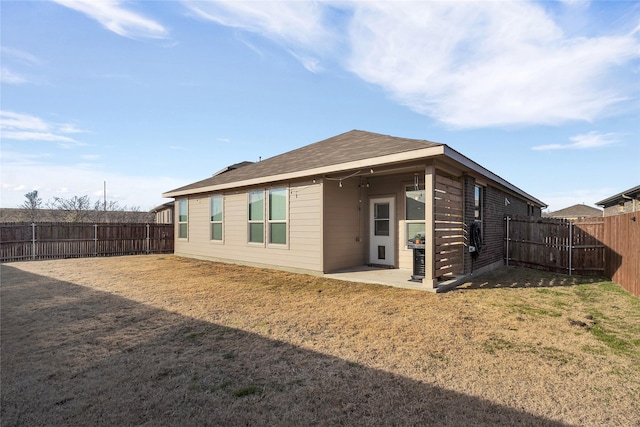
[(633, 201)]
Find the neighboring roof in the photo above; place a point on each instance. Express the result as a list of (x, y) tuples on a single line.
[(575, 211), (632, 192), (352, 150), (163, 206)]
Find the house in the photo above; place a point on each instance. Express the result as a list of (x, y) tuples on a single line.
[(627, 201), (164, 213), (355, 199), (578, 211)]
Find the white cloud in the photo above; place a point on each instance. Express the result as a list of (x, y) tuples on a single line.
[(23, 127), (16, 57), (299, 25), (485, 63), (584, 141), (20, 56), (9, 77), (21, 174), (296, 22), (466, 64), (114, 17)]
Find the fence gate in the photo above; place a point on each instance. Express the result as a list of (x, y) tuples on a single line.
[(562, 246)]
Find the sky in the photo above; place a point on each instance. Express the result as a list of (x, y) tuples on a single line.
[(146, 96)]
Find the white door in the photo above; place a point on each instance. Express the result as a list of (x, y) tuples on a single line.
[(382, 231)]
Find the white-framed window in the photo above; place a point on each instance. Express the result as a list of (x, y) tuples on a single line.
[(415, 213), (256, 216), (216, 213), (478, 204), (278, 216), (183, 218)]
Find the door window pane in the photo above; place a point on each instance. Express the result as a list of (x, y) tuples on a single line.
[(381, 210), (381, 227)]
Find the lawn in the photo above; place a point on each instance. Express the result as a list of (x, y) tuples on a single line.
[(163, 340)]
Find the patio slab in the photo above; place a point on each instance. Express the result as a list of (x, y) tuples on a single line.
[(396, 277)]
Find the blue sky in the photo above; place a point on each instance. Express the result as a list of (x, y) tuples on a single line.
[(152, 95)]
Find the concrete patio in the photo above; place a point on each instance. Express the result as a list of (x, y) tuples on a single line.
[(396, 277)]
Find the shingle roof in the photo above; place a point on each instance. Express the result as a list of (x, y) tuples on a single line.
[(348, 151), (350, 146), (576, 211), (632, 192)]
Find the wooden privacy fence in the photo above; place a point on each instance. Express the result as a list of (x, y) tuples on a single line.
[(32, 241), (608, 246)]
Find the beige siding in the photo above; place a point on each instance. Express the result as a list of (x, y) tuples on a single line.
[(394, 186), (344, 225), (302, 253)]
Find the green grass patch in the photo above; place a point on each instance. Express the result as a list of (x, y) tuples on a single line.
[(610, 339), (551, 292), (533, 311)]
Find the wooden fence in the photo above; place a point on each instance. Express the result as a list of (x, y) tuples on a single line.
[(608, 246), (33, 241), (622, 258)]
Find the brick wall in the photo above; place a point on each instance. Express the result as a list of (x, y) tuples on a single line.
[(497, 204)]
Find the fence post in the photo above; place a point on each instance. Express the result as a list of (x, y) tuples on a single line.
[(148, 241), (570, 245), (95, 239), (33, 240)]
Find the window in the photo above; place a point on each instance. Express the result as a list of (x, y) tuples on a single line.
[(278, 216), (268, 221), (183, 219), (216, 217), (381, 219), (478, 204), (256, 216), (415, 213)]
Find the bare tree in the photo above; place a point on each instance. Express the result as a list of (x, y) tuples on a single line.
[(32, 205), (82, 209), (75, 209), (112, 211)]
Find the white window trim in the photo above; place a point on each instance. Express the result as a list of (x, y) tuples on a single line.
[(407, 187), (262, 221), (481, 209), (186, 201), (211, 239), (268, 220)]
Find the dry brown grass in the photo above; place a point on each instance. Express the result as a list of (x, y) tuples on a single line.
[(163, 340)]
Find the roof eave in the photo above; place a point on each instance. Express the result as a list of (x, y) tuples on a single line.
[(453, 154), (320, 171), (614, 199), (371, 162)]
